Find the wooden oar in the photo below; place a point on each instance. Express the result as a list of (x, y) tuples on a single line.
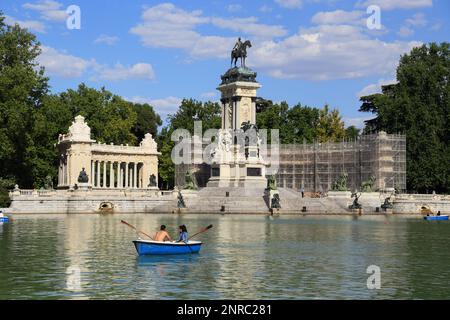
[(137, 231), (201, 231)]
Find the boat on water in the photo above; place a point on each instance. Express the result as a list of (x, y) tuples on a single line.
[(150, 247), (444, 217), (3, 218)]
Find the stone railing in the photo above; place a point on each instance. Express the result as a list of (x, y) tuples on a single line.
[(111, 148), (93, 192), (423, 197)]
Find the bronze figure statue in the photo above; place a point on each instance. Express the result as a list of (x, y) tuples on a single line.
[(355, 204), (240, 51), (83, 177), (152, 182)]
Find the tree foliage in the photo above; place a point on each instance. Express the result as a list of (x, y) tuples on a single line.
[(189, 111), (418, 105), (22, 87)]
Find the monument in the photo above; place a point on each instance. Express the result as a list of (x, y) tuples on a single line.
[(237, 160)]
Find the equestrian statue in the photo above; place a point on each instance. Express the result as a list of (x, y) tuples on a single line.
[(240, 51)]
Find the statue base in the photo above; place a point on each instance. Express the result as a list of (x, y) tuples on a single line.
[(83, 186)]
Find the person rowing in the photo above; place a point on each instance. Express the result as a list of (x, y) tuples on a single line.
[(184, 236), (162, 235)]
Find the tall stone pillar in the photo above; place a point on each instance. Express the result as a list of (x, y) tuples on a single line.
[(98, 174), (118, 175), (91, 176), (135, 175), (111, 174), (126, 175), (104, 174), (238, 91)]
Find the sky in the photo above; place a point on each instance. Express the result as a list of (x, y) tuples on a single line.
[(313, 52)]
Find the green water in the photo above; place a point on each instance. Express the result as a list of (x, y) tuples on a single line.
[(243, 257)]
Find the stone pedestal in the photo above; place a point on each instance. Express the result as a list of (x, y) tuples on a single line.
[(83, 186), (237, 161)]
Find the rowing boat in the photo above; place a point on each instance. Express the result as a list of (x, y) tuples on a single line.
[(436, 217), (3, 218), (150, 247)]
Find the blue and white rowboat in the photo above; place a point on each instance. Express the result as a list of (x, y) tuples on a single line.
[(3, 218), (436, 217), (150, 247)]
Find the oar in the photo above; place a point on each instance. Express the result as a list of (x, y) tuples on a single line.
[(201, 231), (137, 231)]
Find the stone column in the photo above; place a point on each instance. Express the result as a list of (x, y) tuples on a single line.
[(118, 174), (104, 174), (98, 174), (111, 174), (253, 110), (91, 177), (126, 175), (135, 175)]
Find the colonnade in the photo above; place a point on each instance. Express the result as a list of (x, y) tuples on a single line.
[(116, 174)]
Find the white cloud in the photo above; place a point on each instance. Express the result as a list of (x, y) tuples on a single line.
[(290, 4), (250, 26), (65, 65), (209, 95), (120, 72), (62, 64), (109, 40), (338, 17), (358, 122), (417, 20), (234, 7), (265, 9), (162, 106), (31, 25), (375, 87), (396, 4), (340, 46), (166, 26), (328, 52), (48, 9), (405, 32)]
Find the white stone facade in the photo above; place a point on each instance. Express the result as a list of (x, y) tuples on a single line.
[(107, 166)]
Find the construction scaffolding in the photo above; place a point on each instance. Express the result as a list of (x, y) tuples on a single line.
[(316, 166)]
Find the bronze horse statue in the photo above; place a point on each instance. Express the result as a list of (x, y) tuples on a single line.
[(240, 52)]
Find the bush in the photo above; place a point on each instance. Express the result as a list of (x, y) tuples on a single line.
[(5, 185)]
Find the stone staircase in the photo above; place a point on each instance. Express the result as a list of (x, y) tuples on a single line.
[(239, 199), (254, 201)]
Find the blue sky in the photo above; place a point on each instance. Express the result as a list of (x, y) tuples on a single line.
[(308, 51)]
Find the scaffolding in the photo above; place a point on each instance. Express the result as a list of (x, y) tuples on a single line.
[(316, 166)]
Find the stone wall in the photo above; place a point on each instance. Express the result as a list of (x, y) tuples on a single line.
[(79, 201)]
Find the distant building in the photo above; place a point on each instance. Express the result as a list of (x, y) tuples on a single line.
[(315, 167)]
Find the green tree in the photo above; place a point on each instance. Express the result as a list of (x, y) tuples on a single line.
[(330, 127), (301, 124), (352, 132), (419, 106), (147, 121), (22, 86), (110, 117), (190, 110)]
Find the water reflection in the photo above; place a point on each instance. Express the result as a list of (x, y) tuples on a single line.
[(242, 257)]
